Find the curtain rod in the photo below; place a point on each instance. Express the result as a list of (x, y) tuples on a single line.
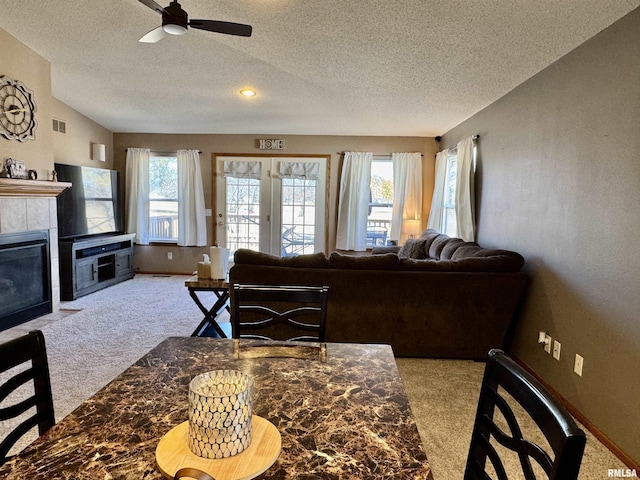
[(161, 153), (385, 155), (455, 149)]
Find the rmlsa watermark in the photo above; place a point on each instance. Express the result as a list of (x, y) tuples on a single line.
[(622, 473)]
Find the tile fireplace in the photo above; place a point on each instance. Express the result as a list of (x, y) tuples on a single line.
[(29, 278)]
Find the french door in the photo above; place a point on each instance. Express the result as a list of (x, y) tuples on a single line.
[(272, 204)]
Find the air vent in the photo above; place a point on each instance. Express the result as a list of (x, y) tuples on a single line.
[(59, 126)]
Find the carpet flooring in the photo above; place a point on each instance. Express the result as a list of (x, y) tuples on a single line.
[(92, 339)]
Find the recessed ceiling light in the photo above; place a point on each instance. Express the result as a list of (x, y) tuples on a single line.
[(247, 92)]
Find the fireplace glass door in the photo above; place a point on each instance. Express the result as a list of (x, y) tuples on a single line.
[(25, 278)]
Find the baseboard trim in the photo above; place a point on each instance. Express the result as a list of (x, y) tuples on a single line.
[(577, 414)]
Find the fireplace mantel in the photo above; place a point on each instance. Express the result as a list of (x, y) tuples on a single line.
[(13, 187)]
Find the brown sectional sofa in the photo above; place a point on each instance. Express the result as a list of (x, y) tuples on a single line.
[(437, 296)]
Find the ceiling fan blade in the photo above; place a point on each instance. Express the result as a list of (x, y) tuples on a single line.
[(152, 5), (229, 28), (153, 36)]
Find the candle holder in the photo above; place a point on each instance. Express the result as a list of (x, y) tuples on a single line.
[(220, 413)]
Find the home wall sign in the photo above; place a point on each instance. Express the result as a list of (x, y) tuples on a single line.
[(271, 144), (17, 110)]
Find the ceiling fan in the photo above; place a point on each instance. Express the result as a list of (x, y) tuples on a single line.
[(175, 21)]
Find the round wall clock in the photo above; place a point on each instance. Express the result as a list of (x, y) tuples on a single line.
[(17, 110)]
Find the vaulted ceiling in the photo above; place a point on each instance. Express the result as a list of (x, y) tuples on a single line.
[(330, 67)]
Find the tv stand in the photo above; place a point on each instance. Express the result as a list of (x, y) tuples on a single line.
[(91, 264)]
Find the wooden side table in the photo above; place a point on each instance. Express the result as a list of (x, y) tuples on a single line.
[(221, 289)]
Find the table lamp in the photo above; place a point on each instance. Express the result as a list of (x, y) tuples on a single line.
[(412, 228)]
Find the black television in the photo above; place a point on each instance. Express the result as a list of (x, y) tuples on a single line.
[(92, 206)]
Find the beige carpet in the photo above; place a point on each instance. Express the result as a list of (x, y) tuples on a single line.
[(96, 337)]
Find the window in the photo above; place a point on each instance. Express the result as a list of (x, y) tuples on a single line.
[(380, 202), (163, 198), (449, 224)]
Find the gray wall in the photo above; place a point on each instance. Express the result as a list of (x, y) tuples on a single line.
[(559, 181)]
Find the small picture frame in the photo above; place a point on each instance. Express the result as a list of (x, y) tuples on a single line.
[(33, 175), (16, 168)]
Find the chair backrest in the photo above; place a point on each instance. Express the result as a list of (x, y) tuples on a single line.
[(557, 444), (28, 348), (279, 312)]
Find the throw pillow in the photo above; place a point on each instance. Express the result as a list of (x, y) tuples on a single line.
[(413, 248)]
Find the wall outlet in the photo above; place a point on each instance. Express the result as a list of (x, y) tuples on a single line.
[(547, 343), (169, 255), (577, 366), (556, 349)]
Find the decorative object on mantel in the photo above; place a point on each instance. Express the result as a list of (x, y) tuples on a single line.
[(33, 175), (17, 110), (15, 168), (271, 144)]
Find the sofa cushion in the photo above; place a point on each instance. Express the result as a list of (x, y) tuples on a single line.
[(494, 264), (499, 260), (313, 260), (452, 246), (438, 243), (413, 248), (465, 251), (423, 265), (385, 249), (384, 261)]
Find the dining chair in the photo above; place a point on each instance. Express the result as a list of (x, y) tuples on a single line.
[(270, 312), (20, 352), (553, 446)]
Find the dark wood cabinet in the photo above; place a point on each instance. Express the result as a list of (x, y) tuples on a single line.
[(92, 264)]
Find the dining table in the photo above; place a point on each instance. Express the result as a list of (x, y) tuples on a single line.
[(342, 413)]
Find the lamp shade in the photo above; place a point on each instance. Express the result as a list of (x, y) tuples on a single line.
[(411, 227), (98, 152)]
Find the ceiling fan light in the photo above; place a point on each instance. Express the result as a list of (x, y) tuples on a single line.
[(174, 29), (247, 92)]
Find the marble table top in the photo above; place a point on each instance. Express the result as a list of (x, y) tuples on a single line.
[(344, 418)]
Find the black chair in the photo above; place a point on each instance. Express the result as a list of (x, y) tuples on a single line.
[(22, 350), (563, 455), (279, 312)]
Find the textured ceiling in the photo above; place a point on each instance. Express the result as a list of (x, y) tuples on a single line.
[(331, 67)]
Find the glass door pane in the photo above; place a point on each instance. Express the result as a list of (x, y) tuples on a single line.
[(298, 216), (243, 213)]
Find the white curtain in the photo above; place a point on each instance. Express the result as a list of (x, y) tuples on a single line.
[(407, 192), (465, 207), (137, 194), (353, 203), (435, 215), (192, 230)]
